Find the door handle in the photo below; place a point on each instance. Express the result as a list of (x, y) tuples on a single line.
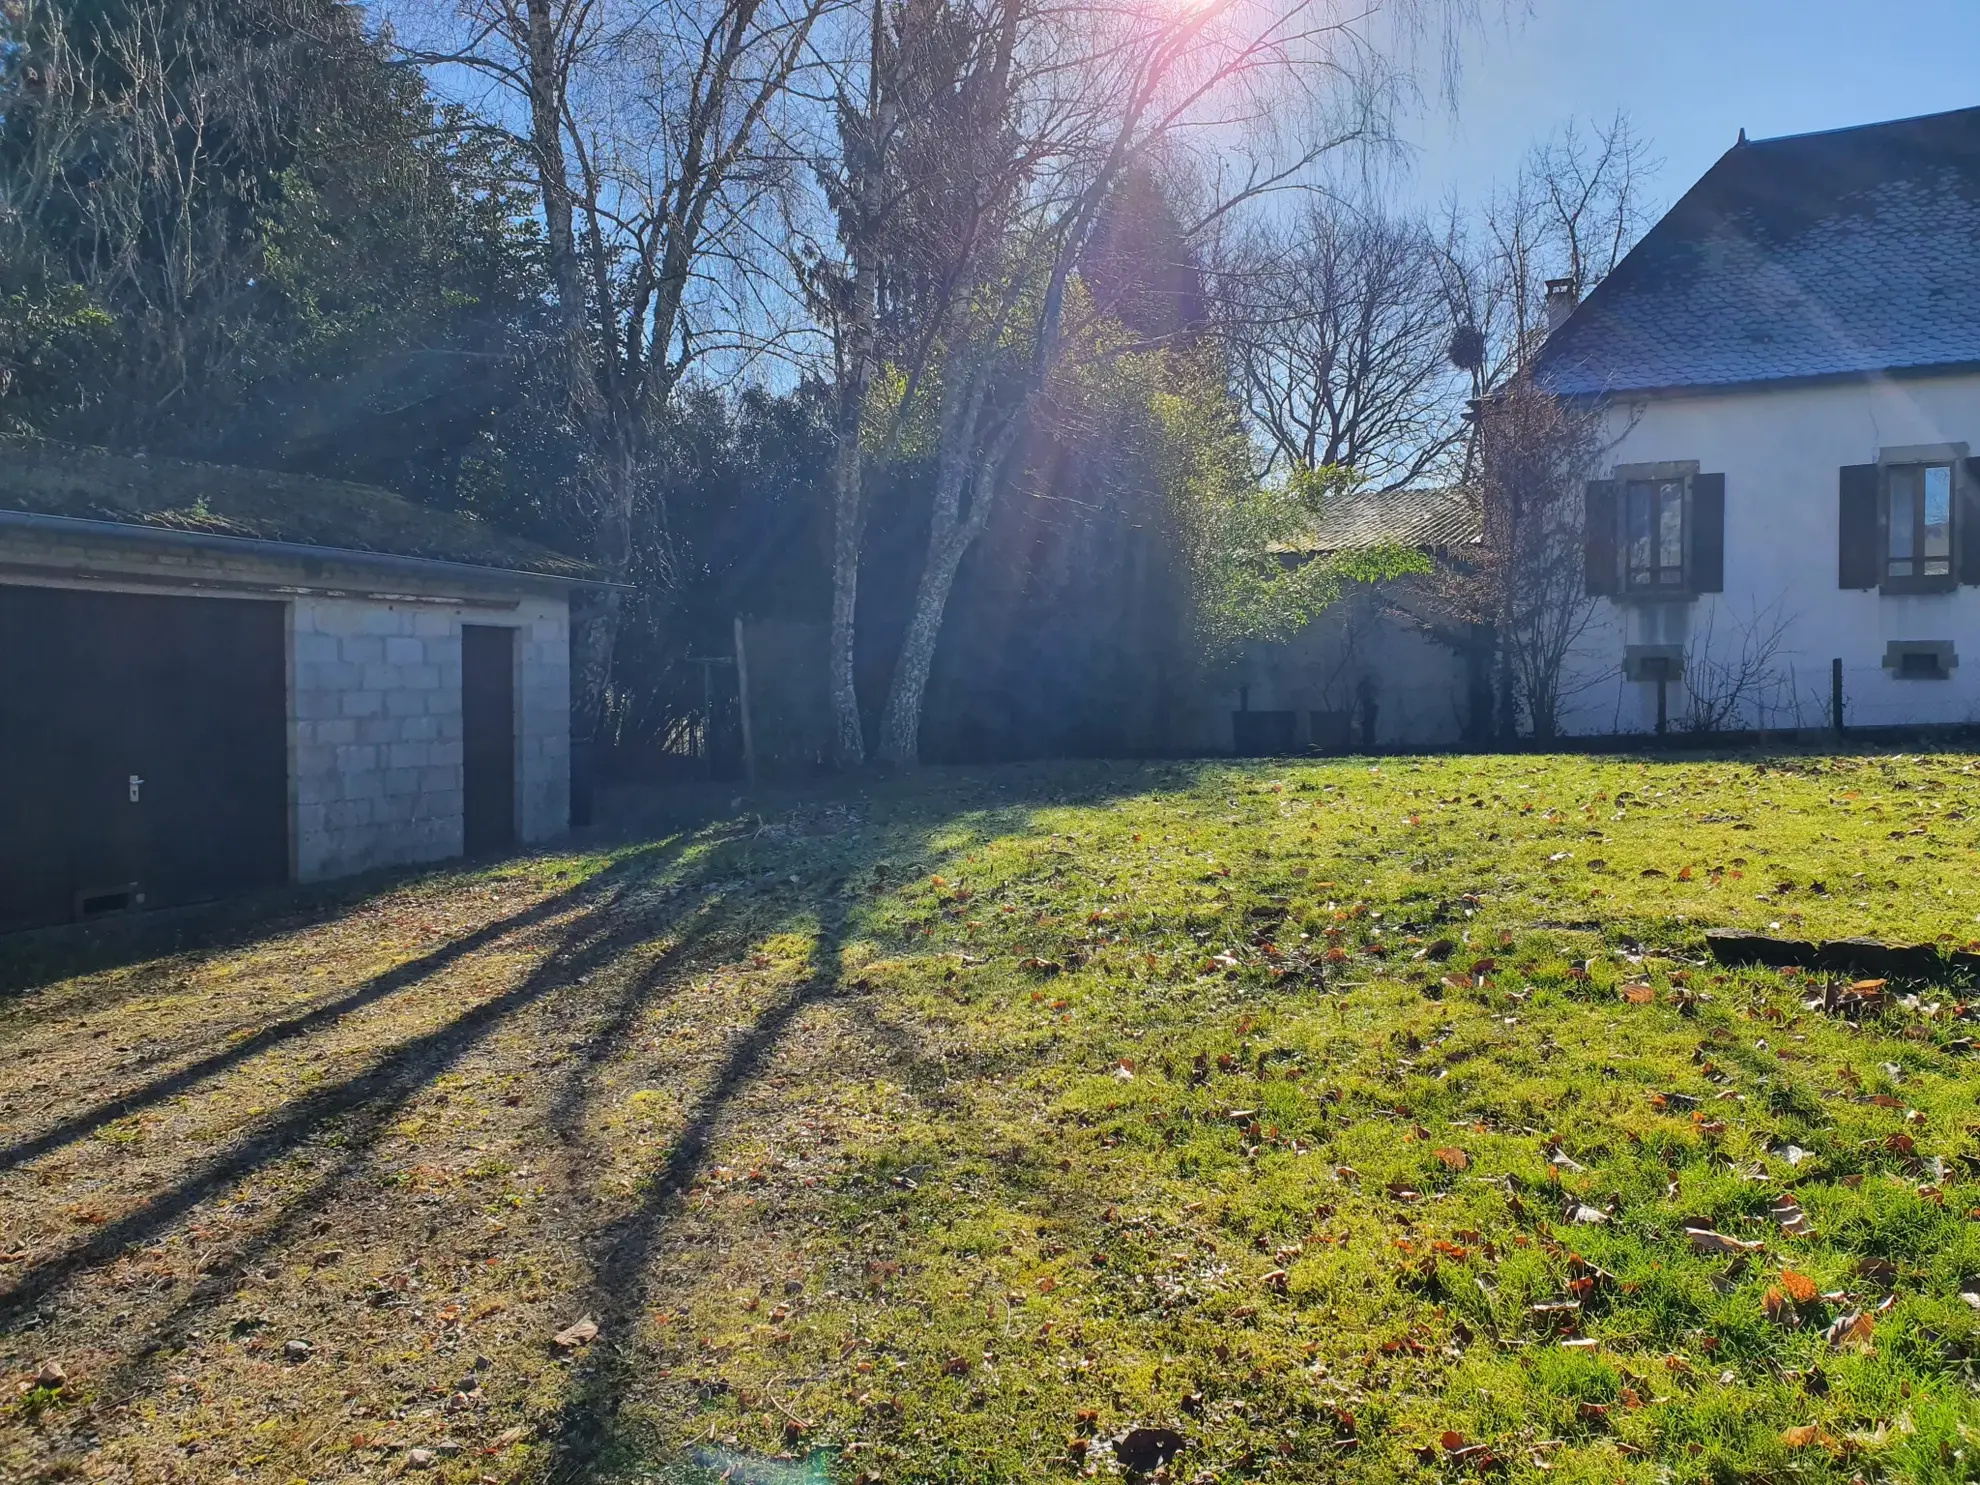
[(137, 785)]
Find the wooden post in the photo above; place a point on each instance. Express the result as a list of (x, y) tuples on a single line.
[(742, 700), (1836, 695)]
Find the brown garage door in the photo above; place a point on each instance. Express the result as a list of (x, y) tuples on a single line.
[(143, 751)]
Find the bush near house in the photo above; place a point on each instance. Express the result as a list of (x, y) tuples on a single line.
[(1361, 1120)]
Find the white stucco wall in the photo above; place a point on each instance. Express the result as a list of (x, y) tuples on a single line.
[(1780, 451), (376, 728)]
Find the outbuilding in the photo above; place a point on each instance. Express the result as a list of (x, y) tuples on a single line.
[(215, 679)]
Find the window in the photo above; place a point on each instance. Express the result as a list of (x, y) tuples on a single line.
[(1920, 665), (1654, 527), (1920, 659), (1918, 548)]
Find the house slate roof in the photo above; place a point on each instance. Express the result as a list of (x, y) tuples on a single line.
[(1411, 518), (258, 505), (1845, 253)]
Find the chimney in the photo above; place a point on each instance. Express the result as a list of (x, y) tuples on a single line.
[(1561, 299)]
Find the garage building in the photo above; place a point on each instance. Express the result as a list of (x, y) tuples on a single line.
[(217, 679)]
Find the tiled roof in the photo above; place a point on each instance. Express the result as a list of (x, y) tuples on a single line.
[(224, 500), (1411, 518), (1835, 254)]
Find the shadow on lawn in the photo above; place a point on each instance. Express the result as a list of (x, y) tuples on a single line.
[(585, 1430), (356, 1113), (373, 1095), (399, 977), (412, 1066)]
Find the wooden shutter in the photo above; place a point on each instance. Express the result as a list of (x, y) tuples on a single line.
[(1602, 526), (1858, 551), (1708, 533), (1966, 522)]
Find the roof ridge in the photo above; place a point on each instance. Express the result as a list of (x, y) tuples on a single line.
[(1916, 118)]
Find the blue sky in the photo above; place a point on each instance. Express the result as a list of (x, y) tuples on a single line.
[(1691, 73)]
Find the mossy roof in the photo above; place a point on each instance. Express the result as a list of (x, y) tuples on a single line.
[(259, 505)]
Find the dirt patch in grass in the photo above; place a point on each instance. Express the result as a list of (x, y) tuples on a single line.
[(1297, 1121)]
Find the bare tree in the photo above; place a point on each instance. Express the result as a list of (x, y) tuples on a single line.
[(1523, 589), (1726, 687), (651, 126), (1338, 327), (1069, 102), (1577, 206), (923, 177)]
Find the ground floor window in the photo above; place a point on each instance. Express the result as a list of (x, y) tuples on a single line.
[(1655, 525), (1919, 524)]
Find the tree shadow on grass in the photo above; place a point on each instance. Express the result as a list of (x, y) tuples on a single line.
[(372, 1096), (401, 977), (363, 1123), (982, 806), (585, 1432), (356, 1113)]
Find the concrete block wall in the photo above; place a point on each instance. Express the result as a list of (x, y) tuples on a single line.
[(376, 729), (543, 719)]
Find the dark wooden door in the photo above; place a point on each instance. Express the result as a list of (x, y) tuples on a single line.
[(143, 750), (488, 734)]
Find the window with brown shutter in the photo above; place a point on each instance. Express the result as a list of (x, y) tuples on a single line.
[(1653, 536), (1657, 531)]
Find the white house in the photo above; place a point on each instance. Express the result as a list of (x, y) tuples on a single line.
[(215, 679), (1788, 370)]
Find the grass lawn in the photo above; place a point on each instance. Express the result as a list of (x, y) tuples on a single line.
[(1350, 1120)]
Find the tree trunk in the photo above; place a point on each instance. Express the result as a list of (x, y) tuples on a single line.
[(546, 105), (598, 634), (849, 500), (949, 539), (848, 739), (900, 728)]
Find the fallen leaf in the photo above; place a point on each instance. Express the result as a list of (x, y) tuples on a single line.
[(1639, 994), (581, 1333), (1792, 1219), (1453, 1157), (1804, 1435), (1799, 1287), (1851, 1333)]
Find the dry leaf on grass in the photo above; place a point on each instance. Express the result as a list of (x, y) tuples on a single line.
[(1788, 1213), (1851, 1333), (1453, 1157), (580, 1333)]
